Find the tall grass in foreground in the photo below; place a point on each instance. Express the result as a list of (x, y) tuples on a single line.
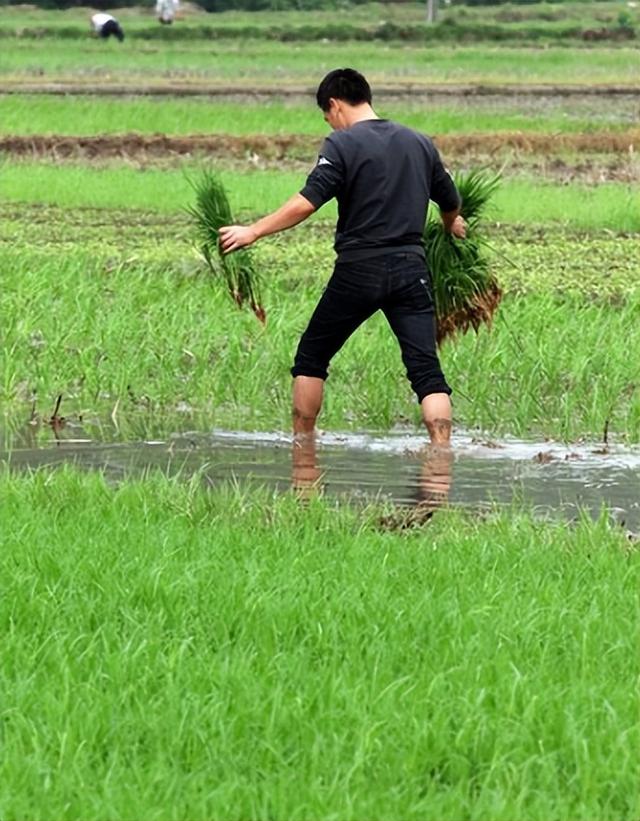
[(169, 652)]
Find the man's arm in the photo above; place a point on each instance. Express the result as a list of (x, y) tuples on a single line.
[(295, 210), (453, 223)]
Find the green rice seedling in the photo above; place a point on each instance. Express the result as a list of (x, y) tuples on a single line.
[(262, 63), (168, 657), (466, 291), (211, 212), (610, 205), (30, 114), (126, 275)]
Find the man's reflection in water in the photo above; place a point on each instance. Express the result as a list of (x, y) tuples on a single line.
[(306, 476), (435, 479), (433, 485)]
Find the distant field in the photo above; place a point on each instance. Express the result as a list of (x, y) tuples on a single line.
[(609, 205), (86, 115), (540, 22), (256, 63)]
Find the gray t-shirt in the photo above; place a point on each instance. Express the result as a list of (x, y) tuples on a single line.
[(383, 176)]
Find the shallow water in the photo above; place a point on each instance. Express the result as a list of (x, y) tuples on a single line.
[(550, 478)]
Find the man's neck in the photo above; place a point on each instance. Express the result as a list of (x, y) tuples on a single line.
[(360, 113)]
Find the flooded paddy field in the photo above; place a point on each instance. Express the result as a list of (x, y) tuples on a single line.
[(205, 618), (548, 478)]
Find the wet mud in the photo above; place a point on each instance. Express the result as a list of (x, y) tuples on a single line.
[(549, 478)]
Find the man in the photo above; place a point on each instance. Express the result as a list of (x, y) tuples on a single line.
[(383, 176), (104, 25)]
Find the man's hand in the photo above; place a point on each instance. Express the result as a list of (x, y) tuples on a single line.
[(233, 237), (454, 224), (458, 228)]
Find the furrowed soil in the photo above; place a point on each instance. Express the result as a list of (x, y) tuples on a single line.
[(255, 91), (279, 147), (591, 158)]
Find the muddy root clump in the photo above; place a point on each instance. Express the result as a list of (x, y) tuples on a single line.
[(479, 311)]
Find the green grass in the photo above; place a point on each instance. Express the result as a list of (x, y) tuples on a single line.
[(106, 314), (163, 191), (522, 201), (86, 115), (255, 63), (593, 266), (175, 653), (610, 205), (182, 654)]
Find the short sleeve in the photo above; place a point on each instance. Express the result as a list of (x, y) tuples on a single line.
[(327, 177)]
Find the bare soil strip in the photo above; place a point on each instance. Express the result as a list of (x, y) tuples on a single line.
[(301, 145), (257, 92)]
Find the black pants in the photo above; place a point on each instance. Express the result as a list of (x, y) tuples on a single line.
[(397, 284), (112, 27)]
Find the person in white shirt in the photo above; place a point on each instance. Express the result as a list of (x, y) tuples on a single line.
[(104, 25), (166, 10)]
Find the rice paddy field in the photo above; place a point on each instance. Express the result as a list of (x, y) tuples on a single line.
[(176, 651)]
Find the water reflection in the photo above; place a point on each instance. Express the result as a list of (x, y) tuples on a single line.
[(435, 478), (401, 468), (306, 475), (431, 486)]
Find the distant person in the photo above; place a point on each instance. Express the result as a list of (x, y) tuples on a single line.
[(105, 25), (166, 11)]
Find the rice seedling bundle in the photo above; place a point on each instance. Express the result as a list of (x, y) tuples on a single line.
[(466, 292), (210, 213)]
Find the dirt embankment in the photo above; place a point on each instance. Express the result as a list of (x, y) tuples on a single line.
[(253, 92), (294, 146)]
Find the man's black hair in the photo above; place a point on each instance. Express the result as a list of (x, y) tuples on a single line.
[(343, 84)]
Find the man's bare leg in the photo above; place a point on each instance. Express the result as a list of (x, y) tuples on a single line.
[(436, 412), (307, 401), (435, 480)]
